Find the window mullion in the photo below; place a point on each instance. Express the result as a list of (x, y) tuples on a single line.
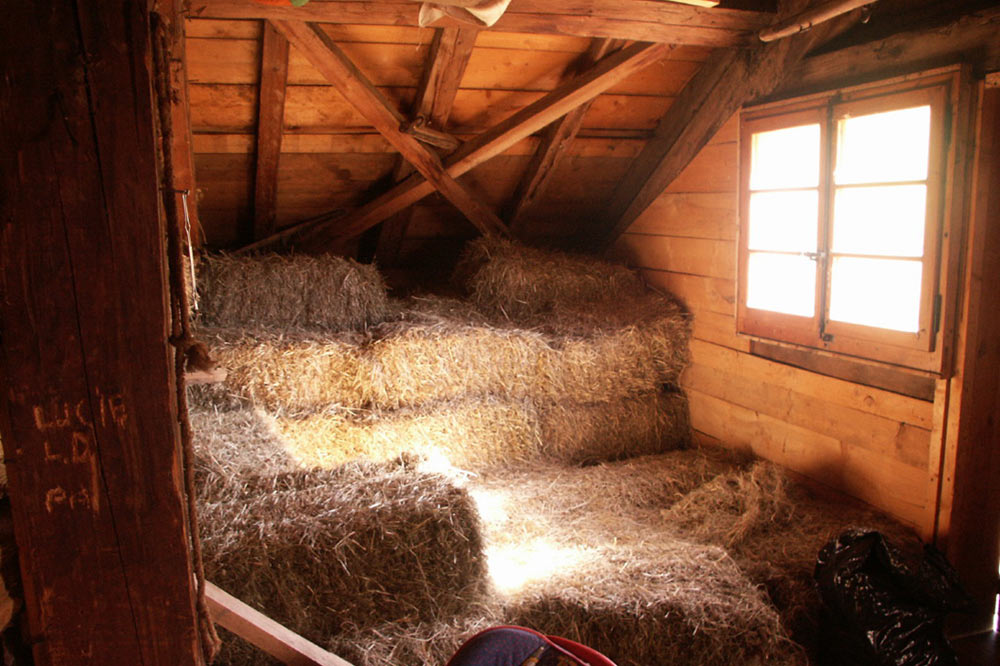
[(824, 242)]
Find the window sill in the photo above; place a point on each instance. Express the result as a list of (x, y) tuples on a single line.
[(905, 381)]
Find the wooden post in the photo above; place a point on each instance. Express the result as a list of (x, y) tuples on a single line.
[(270, 123), (86, 414)]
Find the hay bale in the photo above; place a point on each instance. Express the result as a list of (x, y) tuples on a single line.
[(511, 280), (467, 434), (569, 355), (325, 292), (404, 644), (673, 603), (231, 447), (474, 434), (330, 551), (641, 425), (425, 356), (294, 372)]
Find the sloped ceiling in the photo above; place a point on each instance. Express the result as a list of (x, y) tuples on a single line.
[(330, 158)]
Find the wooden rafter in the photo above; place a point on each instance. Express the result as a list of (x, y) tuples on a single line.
[(270, 122), (554, 145), (334, 64), (524, 123), (972, 38), (448, 59), (727, 81), (645, 20)]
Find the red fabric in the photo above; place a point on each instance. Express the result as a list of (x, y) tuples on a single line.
[(583, 653)]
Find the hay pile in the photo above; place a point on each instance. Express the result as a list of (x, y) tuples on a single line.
[(510, 280), (774, 529), (326, 292)]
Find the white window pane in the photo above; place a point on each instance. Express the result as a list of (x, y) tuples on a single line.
[(883, 147), (781, 283), (880, 220), (784, 221), (785, 158), (884, 293)]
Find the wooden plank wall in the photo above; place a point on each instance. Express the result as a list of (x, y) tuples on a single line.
[(331, 158), (867, 442)]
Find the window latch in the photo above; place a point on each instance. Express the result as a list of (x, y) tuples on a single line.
[(815, 256)]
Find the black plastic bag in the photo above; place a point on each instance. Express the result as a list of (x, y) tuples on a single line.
[(880, 612)]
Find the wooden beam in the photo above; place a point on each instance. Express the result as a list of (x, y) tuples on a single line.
[(449, 57), (555, 143), (644, 20), (973, 38), (728, 80), (87, 414), (180, 117), (270, 123), (275, 639), (520, 125), (334, 64)]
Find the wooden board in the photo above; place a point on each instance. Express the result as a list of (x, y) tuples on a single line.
[(692, 256), (894, 487), (88, 415), (696, 291), (260, 630), (690, 214)]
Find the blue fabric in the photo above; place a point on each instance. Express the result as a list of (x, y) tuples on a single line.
[(504, 646)]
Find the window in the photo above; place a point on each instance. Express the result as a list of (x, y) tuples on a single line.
[(841, 217)]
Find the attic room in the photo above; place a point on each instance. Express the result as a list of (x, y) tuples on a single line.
[(338, 332)]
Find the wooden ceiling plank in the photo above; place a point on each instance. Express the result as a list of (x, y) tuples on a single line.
[(327, 57), (449, 57), (554, 145), (270, 122), (645, 20), (605, 74), (727, 81)]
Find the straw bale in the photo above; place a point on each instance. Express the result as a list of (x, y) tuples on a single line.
[(646, 424), (505, 278), (671, 603), (405, 644), (290, 372), (329, 551), (233, 446), (325, 292), (424, 356), (473, 434)]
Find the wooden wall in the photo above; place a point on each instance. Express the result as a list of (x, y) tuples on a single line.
[(873, 444), (330, 158)]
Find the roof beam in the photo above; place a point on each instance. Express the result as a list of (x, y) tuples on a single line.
[(334, 64), (644, 20), (270, 122), (449, 57), (554, 145), (971, 38), (727, 81), (518, 126)]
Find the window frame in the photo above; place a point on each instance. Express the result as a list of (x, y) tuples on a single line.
[(945, 90)]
